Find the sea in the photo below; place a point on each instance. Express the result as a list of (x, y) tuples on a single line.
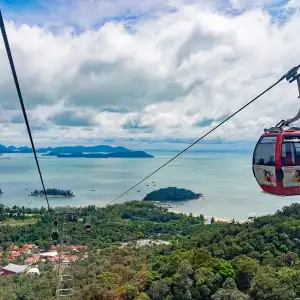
[(224, 178)]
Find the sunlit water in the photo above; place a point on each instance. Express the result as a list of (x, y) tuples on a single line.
[(225, 179)]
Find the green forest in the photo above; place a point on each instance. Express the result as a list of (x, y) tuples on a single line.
[(256, 260)]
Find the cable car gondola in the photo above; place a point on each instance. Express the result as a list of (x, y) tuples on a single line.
[(276, 156), (88, 227), (88, 224), (55, 235)]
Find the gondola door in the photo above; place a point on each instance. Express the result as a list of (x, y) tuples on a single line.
[(264, 160), (290, 163)]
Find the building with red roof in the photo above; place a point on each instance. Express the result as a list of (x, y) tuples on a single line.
[(32, 260), (14, 255)]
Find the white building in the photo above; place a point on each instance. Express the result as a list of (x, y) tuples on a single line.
[(12, 269)]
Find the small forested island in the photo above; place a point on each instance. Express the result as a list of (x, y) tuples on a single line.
[(171, 194), (1, 192), (128, 154), (54, 193)]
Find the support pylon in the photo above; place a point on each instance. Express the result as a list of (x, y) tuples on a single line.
[(65, 282)]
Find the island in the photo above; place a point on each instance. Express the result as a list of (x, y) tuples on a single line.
[(54, 193), (1, 192), (99, 151), (172, 194), (127, 154), (65, 149)]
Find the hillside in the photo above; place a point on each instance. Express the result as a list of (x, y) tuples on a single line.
[(258, 260)]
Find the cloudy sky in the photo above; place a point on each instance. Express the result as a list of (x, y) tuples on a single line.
[(146, 72)]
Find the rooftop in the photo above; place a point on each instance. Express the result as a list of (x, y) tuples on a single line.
[(52, 253), (15, 268), (34, 271)]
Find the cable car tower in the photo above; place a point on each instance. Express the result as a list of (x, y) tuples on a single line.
[(65, 281)]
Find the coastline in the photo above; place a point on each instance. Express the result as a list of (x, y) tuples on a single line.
[(169, 206), (223, 219), (171, 209), (208, 218)]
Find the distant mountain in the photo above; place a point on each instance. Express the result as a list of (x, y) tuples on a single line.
[(125, 154), (66, 149), (90, 149)]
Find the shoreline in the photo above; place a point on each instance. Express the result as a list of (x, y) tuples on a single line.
[(208, 218), (172, 201), (223, 219), (171, 209), (169, 206)]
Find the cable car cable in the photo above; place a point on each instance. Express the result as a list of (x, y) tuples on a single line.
[(287, 76), (14, 73)]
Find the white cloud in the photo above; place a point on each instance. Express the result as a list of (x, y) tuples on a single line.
[(241, 4), (78, 15), (293, 4), (174, 73)]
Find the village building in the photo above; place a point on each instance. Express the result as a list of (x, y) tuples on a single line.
[(32, 259), (13, 255), (31, 254), (12, 269), (33, 271)]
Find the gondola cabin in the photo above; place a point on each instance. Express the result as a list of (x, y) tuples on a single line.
[(276, 161), (88, 227)]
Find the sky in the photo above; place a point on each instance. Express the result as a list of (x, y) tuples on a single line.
[(147, 73)]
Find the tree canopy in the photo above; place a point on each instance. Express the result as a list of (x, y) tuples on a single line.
[(256, 260)]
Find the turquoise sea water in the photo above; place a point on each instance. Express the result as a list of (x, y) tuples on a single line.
[(225, 179)]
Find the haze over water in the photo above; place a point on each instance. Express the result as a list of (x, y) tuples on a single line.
[(225, 180)]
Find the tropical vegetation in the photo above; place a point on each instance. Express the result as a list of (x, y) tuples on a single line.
[(255, 260)]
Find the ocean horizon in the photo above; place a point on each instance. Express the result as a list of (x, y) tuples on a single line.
[(225, 179)]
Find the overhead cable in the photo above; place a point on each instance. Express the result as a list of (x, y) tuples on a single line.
[(286, 76), (14, 73)]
